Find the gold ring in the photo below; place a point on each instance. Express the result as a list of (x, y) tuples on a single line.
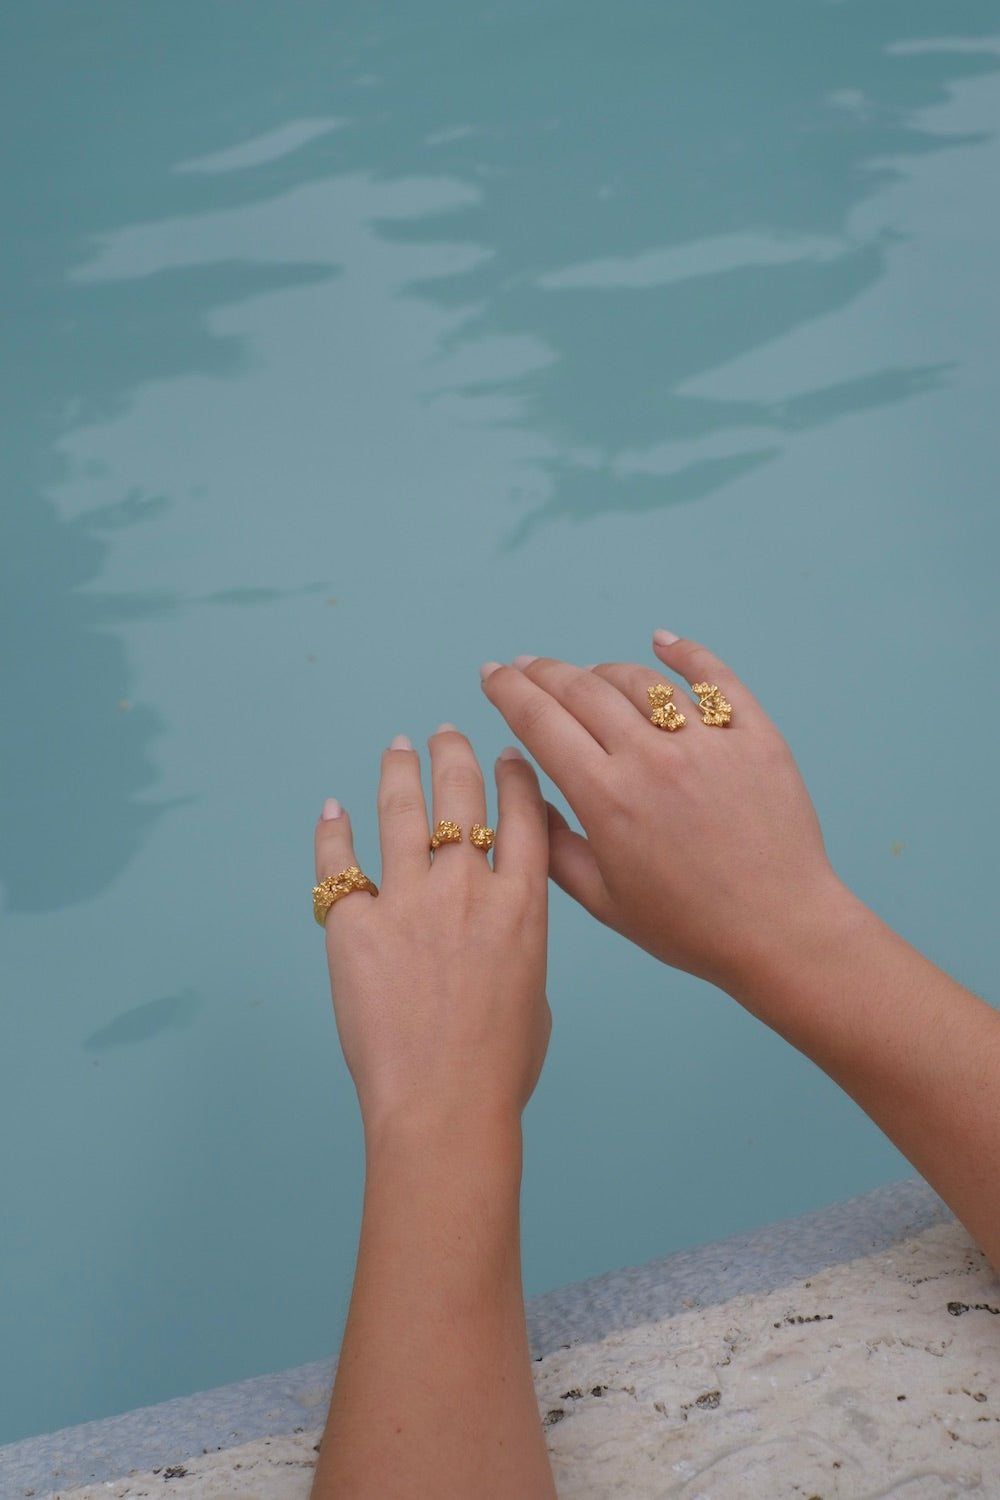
[(334, 887), (665, 715), (446, 833), (482, 837), (714, 708)]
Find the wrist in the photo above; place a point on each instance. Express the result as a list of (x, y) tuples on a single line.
[(422, 1140), (798, 953)]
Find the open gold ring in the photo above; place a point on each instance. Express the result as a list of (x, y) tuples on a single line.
[(446, 833), (330, 890)]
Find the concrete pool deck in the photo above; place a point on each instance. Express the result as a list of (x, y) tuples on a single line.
[(853, 1352)]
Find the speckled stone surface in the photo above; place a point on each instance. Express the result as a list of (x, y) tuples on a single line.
[(584, 1313)]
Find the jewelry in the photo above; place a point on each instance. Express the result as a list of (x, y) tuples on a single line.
[(665, 714), (714, 708), (446, 833), (333, 887), (482, 837)]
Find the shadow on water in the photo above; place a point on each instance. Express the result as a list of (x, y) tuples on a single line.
[(143, 1022), (661, 189)]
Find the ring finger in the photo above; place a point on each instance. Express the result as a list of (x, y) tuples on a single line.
[(459, 794)]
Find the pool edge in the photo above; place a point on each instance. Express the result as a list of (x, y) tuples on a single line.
[(759, 1260)]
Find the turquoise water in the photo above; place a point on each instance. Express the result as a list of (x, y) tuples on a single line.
[(347, 347)]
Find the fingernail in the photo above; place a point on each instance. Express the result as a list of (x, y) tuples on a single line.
[(664, 638), (510, 752), (332, 809), (400, 743), (520, 662), (444, 728), (488, 668), (590, 666)]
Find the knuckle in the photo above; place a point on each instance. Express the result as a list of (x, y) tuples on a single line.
[(534, 716), (582, 688), (400, 802), (462, 778)]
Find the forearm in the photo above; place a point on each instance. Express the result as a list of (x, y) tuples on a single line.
[(434, 1394), (918, 1052)]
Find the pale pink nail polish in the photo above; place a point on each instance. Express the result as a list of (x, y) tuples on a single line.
[(400, 743), (444, 728), (332, 809), (520, 662), (488, 668), (510, 752), (664, 637)]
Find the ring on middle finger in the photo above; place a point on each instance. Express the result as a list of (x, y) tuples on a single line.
[(446, 832)]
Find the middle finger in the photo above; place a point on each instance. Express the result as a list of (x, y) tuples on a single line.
[(459, 794), (595, 704)]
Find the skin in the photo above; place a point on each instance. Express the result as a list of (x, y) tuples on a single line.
[(439, 993), (703, 847)]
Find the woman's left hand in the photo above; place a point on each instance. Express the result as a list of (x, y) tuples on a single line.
[(439, 992), (439, 981)]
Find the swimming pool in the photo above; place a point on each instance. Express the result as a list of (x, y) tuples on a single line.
[(350, 350)]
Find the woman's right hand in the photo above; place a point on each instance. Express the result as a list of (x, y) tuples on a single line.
[(701, 844)]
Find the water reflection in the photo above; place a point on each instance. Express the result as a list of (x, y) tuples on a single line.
[(602, 204)]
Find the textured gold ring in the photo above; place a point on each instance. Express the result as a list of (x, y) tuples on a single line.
[(665, 714), (330, 890), (446, 833), (714, 708), (482, 837)]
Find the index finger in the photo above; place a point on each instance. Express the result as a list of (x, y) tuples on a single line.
[(564, 749)]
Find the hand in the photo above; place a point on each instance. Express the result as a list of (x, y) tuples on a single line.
[(701, 844), (439, 981)]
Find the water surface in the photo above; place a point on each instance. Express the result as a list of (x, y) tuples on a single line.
[(346, 348)]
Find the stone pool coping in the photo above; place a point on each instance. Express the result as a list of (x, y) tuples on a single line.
[(761, 1260)]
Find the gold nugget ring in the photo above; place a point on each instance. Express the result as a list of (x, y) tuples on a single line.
[(482, 837), (446, 833), (714, 708), (665, 715), (333, 887)]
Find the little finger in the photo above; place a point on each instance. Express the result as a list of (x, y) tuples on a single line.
[(334, 847)]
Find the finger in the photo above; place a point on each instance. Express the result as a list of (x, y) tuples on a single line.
[(522, 842), (402, 813), (573, 867), (459, 794), (697, 664), (593, 702), (334, 841), (553, 737), (335, 851), (632, 684)]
